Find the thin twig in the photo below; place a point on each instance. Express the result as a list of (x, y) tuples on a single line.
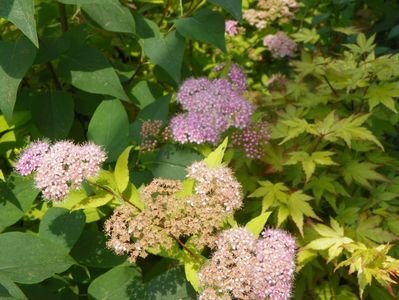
[(57, 83), (63, 17), (331, 87)]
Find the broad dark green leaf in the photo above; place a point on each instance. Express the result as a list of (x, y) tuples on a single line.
[(109, 127), (145, 93), (86, 68), (119, 283), (26, 258), (91, 250), (167, 52), (21, 13), (81, 2), (206, 26), (145, 28), (9, 290), (16, 197), (234, 7), (53, 114), (169, 286), (112, 16), (62, 227), (172, 161), (15, 59)]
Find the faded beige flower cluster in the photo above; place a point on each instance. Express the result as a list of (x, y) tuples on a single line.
[(171, 214)]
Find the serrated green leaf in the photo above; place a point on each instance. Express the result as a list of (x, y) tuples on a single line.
[(122, 171), (362, 173), (205, 26), (384, 94), (21, 13)]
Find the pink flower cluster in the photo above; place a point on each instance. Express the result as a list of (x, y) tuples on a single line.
[(269, 11), (211, 107), (61, 166), (231, 27), (280, 45), (245, 268), (252, 139)]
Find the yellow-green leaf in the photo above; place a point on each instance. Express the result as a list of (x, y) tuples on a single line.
[(257, 224), (215, 158), (122, 171)]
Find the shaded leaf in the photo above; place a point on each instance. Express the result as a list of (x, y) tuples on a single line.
[(21, 13), (15, 60), (206, 26), (234, 7), (109, 127), (23, 264)]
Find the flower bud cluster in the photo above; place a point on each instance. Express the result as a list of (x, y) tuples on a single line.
[(245, 268), (170, 214), (252, 139), (269, 11), (280, 45), (211, 107), (61, 166)]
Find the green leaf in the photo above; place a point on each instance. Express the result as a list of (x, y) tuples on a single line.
[(172, 284), (299, 207), (362, 173), (205, 26), (9, 290), (234, 7), (370, 231), (215, 158), (111, 16), (86, 68), (21, 13), (16, 198), (167, 52), (394, 32), (296, 127), (61, 227), (257, 224), (119, 283), (15, 60), (271, 193), (122, 171), (145, 93), (332, 238), (383, 93), (109, 127), (172, 161), (191, 270), (91, 250), (53, 114), (306, 35), (25, 258)]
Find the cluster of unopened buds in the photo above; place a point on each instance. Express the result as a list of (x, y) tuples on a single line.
[(61, 166), (152, 132)]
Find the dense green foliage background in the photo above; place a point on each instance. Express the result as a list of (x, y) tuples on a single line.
[(96, 69)]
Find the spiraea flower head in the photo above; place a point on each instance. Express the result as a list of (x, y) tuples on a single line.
[(229, 272), (211, 107), (168, 216), (245, 268), (31, 157), (231, 27), (61, 166), (275, 267), (280, 45)]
